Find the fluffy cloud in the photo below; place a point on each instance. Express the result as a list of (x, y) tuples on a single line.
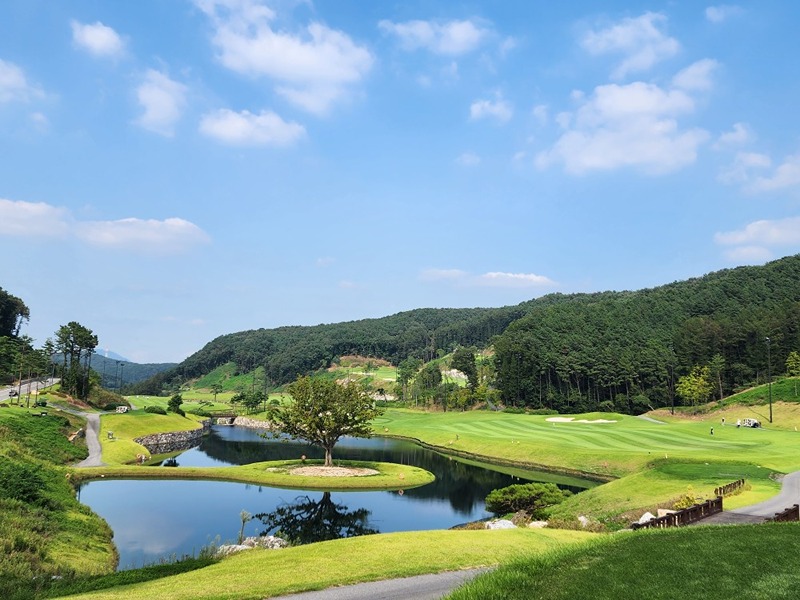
[(452, 38), (697, 76), (633, 125), (786, 175), (247, 129), (749, 170), (497, 109), (312, 69), (14, 86), (640, 40), (492, 279), (740, 134), (756, 242), (24, 218), (741, 170), (148, 236), (97, 39), (162, 100), (718, 14)]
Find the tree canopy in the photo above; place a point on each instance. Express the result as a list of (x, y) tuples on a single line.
[(322, 411)]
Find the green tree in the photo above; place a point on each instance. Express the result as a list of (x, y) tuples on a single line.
[(323, 411), (533, 498), (716, 368), (174, 404), (793, 367), (464, 360), (76, 345), (216, 388), (696, 387), (13, 313)]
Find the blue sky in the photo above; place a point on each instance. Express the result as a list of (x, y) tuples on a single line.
[(174, 171)]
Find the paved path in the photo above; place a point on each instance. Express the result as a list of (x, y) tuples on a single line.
[(421, 587), (92, 438), (758, 513)]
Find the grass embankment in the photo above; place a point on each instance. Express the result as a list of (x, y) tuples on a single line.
[(389, 476), (758, 562), (263, 573), (44, 530)]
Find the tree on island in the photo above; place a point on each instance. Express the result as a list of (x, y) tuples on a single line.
[(323, 411)]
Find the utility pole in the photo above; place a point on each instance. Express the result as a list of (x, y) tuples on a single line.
[(769, 378)]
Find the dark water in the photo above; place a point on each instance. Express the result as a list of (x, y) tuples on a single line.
[(153, 519)]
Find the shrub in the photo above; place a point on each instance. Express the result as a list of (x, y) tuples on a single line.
[(543, 411), (200, 412), (513, 410), (533, 498), (156, 410)]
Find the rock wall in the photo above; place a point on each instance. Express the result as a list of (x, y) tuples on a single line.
[(173, 441), (250, 423)]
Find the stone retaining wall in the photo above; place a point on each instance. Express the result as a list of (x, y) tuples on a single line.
[(250, 423), (173, 441)]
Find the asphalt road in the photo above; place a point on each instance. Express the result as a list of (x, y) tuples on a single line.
[(421, 587)]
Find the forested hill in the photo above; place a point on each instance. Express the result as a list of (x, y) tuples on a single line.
[(286, 352), (560, 351), (627, 349)]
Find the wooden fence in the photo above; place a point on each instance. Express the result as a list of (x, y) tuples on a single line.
[(685, 516), (790, 514), (729, 488)]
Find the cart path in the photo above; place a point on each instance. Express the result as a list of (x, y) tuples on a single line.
[(759, 513)]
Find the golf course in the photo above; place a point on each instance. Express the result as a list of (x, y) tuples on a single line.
[(645, 462)]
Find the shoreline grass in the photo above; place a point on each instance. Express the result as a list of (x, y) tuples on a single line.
[(390, 477)]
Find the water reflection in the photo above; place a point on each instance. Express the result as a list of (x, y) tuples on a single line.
[(306, 520), (156, 518)]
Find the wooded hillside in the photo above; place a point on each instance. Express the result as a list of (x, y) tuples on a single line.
[(611, 350)]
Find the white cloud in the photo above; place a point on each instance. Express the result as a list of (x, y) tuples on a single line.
[(786, 175), (20, 218), (496, 109), (452, 38), (541, 113), (97, 39), (633, 125), (640, 40), (248, 129), (697, 76), (313, 69), (515, 280), (718, 14), (14, 85), (758, 240), (146, 235), (741, 170), (468, 159), (163, 101), (491, 279), (740, 134)]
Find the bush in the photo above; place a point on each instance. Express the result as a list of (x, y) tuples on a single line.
[(543, 411), (201, 413), (513, 410), (533, 498), (156, 410)]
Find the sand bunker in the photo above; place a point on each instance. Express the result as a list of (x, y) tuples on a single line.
[(574, 420), (333, 471)]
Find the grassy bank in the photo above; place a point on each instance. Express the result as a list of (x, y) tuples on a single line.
[(713, 563), (44, 530), (265, 573), (389, 476)]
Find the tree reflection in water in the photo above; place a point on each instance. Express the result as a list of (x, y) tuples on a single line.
[(306, 521)]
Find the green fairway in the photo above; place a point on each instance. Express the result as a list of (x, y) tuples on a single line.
[(606, 449)]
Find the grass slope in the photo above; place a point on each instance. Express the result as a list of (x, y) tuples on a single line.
[(758, 562), (264, 573)]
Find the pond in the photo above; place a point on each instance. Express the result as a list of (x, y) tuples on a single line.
[(161, 519)]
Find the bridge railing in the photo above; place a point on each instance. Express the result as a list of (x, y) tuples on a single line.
[(729, 488), (790, 514)]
